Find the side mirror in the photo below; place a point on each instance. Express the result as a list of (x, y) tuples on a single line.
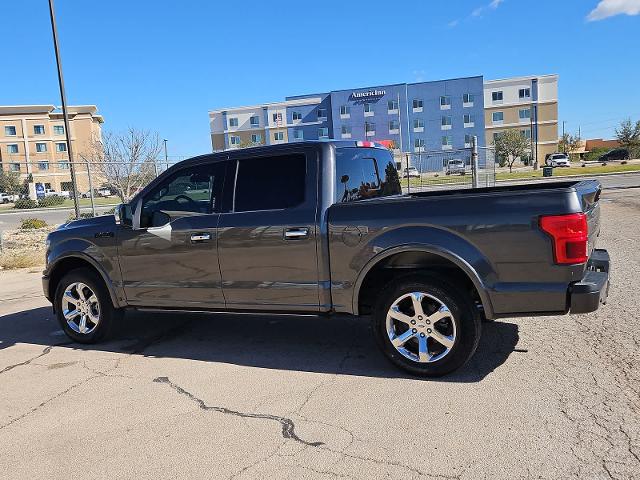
[(123, 216)]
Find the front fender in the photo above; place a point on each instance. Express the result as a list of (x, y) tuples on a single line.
[(96, 256), (428, 240)]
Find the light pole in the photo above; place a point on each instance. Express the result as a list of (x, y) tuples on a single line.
[(63, 98), (166, 158)]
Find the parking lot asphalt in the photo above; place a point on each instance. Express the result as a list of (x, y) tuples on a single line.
[(193, 396)]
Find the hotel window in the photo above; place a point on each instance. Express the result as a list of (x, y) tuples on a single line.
[(345, 110), (467, 140), (298, 134), (369, 129), (58, 129), (417, 105), (14, 167), (497, 117), (61, 147), (524, 93), (10, 131), (233, 122), (392, 105), (277, 118), (524, 113), (322, 114), (468, 120), (38, 129), (418, 125), (43, 165), (496, 96), (278, 136), (467, 99), (445, 102), (296, 116), (254, 121), (256, 138), (41, 147), (368, 108), (64, 165), (445, 122), (234, 139), (345, 131), (526, 133), (418, 144), (12, 148), (394, 126), (323, 132), (446, 141)]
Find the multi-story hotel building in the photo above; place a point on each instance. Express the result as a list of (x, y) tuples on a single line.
[(417, 117), (528, 104), (33, 143)]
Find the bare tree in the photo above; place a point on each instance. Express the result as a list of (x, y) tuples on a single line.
[(511, 145), (126, 161)]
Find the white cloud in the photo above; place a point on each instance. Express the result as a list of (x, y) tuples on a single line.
[(610, 8), (453, 23), (495, 3), (477, 12)]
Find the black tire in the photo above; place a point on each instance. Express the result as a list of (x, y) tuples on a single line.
[(468, 324), (108, 315)]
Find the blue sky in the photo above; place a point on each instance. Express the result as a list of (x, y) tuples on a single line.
[(162, 65)]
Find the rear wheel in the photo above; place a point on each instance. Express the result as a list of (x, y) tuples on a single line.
[(426, 326), (83, 305)]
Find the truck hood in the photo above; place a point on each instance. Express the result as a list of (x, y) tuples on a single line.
[(102, 220)]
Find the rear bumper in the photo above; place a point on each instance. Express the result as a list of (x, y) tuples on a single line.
[(587, 294)]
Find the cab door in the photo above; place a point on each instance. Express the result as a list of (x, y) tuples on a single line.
[(267, 242), (169, 258)]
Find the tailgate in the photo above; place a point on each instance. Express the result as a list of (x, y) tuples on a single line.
[(589, 195)]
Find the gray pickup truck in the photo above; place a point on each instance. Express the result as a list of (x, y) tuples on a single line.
[(323, 228)]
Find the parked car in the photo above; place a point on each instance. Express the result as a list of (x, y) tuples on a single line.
[(455, 166), (558, 160), (318, 228), (615, 154), (411, 172), (8, 198), (97, 192), (49, 192)]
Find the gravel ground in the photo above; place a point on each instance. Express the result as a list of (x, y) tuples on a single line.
[(187, 396)]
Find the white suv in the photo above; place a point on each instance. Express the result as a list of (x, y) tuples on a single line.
[(558, 160)]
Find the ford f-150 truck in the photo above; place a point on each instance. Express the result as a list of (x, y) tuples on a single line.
[(324, 228)]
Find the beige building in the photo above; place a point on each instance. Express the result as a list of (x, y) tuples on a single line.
[(528, 104), (33, 143)]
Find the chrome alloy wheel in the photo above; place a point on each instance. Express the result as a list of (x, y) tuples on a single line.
[(80, 308), (421, 327)]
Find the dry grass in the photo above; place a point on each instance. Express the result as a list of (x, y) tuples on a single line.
[(10, 259)]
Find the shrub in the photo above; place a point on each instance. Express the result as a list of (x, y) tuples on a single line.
[(594, 154), (25, 203), (52, 201), (623, 162), (32, 223)]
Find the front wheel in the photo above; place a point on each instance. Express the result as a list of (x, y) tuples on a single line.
[(84, 307), (426, 326)]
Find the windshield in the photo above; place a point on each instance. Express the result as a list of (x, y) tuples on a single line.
[(363, 173), (455, 162)]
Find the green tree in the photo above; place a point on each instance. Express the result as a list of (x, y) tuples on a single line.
[(391, 182), (10, 182), (511, 145), (569, 143), (628, 134)]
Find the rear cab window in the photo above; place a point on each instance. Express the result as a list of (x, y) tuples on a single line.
[(364, 173)]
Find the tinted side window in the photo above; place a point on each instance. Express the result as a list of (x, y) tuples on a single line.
[(365, 173), (189, 191), (270, 183)]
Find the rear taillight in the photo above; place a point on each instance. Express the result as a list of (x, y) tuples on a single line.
[(570, 234)]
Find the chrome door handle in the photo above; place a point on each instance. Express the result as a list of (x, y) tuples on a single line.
[(200, 237), (296, 233)]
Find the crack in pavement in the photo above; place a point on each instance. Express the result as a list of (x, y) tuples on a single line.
[(288, 427), (50, 399), (44, 352)]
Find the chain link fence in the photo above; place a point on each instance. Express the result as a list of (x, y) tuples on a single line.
[(454, 168)]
